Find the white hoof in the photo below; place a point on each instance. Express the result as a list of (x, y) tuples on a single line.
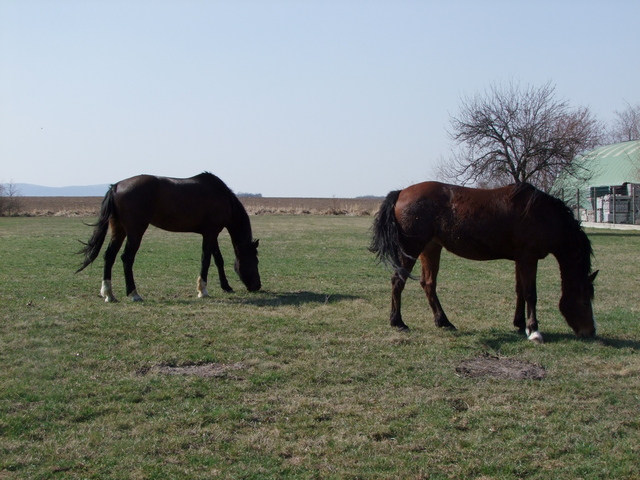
[(536, 337)]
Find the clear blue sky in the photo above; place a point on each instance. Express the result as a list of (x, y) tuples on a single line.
[(285, 98)]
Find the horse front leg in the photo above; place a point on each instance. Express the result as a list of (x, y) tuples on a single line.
[(430, 259), (219, 261), (210, 248), (519, 318), (527, 275)]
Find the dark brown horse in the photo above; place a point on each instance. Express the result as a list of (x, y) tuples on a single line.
[(517, 222), (202, 204)]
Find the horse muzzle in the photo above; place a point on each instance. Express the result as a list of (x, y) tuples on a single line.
[(586, 332)]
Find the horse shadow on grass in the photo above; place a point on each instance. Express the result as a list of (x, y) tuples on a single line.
[(277, 299), (602, 340), (495, 340)]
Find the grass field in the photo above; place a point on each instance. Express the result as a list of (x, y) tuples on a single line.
[(304, 379)]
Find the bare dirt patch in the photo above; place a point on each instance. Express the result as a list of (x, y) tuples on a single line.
[(500, 367), (199, 370)]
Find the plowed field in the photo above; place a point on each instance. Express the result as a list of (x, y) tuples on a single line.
[(90, 206)]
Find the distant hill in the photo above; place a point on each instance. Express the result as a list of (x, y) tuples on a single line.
[(29, 190)]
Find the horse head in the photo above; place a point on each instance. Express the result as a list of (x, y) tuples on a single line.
[(246, 265), (575, 305)]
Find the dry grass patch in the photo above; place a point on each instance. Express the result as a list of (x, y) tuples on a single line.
[(203, 370)]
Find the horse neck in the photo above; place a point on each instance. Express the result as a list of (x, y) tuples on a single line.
[(569, 274), (239, 227), (574, 260)]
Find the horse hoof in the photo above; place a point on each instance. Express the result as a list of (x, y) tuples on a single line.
[(110, 299), (401, 328), (135, 297), (536, 337), (450, 326)]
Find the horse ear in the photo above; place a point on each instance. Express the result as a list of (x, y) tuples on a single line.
[(593, 276), (257, 242)]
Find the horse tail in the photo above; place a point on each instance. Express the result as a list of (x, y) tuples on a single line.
[(385, 242), (92, 247)]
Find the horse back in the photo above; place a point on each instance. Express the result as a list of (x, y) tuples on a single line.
[(173, 204), (479, 224)]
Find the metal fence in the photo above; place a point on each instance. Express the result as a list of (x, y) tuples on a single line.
[(615, 204)]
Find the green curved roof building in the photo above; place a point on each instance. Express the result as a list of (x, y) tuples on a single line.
[(612, 175)]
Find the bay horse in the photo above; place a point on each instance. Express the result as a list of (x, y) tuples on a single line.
[(202, 204), (516, 222)]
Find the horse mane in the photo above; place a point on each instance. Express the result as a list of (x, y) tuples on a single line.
[(241, 231), (578, 246), (215, 182)]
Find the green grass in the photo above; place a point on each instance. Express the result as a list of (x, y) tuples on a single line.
[(323, 387)]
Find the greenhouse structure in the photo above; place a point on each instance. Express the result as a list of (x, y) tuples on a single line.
[(610, 190)]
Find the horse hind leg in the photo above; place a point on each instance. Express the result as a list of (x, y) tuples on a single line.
[(398, 282), (128, 257), (205, 262), (110, 254), (430, 259)]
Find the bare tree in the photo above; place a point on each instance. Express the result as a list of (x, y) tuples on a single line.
[(626, 125), (2, 198), (9, 198), (518, 134)]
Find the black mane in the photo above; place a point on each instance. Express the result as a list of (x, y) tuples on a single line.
[(578, 244)]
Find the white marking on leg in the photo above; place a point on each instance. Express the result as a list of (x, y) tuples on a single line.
[(106, 292), (535, 337), (202, 288)]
